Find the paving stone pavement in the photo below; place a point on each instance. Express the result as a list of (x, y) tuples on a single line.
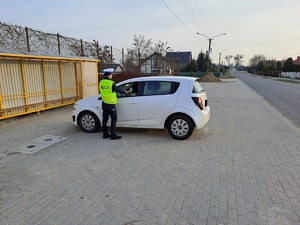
[(242, 168)]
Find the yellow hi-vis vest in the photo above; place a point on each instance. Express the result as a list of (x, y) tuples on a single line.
[(108, 96)]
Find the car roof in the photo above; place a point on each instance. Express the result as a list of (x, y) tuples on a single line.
[(161, 78)]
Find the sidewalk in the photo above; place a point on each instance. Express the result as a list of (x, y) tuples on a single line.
[(242, 168), (295, 80)]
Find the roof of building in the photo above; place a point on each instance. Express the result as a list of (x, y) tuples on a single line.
[(116, 65), (154, 54), (181, 57), (297, 61)]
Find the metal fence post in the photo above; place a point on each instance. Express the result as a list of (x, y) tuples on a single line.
[(27, 39), (58, 43)]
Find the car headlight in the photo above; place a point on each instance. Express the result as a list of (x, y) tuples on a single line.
[(75, 106)]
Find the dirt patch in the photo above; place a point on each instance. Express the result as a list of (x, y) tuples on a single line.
[(209, 77)]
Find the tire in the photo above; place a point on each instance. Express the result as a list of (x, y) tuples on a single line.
[(89, 122), (180, 127)]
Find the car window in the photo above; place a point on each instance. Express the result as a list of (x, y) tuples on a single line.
[(160, 87), (133, 87), (197, 87)]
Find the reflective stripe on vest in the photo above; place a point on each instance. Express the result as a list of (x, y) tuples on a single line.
[(108, 96)]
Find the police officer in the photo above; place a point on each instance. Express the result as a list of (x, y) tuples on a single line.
[(108, 91)]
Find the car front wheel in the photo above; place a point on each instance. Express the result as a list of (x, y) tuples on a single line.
[(180, 127), (89, 122)]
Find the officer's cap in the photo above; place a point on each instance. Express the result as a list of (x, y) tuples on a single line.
[(108, 71)]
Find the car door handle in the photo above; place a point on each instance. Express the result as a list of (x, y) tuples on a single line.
[(131, 103)]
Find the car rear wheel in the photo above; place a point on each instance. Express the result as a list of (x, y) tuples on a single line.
[(89, 122), (180, 127)]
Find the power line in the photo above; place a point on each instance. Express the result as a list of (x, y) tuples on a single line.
[(182, 22), (189, 9), (201, 16), (192, 15)]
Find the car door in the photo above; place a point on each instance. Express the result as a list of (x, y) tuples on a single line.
[(158, 100), (127, 106)]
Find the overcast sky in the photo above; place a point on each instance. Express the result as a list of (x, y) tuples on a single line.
[(267, 27)]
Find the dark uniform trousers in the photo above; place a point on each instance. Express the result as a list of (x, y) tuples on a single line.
[(109, 110)]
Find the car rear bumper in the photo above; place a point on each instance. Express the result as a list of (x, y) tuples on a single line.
[(203, 118)]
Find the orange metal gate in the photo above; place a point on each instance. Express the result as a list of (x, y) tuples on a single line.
[(31, 83)]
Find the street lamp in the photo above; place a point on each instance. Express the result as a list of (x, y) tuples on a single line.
[(209, 45)]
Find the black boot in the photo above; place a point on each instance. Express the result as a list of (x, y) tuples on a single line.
[(114, 137), (106, 135)]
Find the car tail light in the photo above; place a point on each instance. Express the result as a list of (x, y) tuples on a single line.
[(198, 102)]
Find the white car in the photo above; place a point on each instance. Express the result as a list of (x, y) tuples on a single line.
[(157, 102)]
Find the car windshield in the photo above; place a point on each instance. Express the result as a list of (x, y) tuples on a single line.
[(197, 87)]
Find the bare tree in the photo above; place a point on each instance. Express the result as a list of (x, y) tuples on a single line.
[(256, 59), (238, 59), (141, 48), (228, 59), (106, 56), (161, 47)]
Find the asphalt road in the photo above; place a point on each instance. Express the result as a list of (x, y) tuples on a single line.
[(285, 97)]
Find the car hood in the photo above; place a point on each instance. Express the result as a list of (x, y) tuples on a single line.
[(91, 101)]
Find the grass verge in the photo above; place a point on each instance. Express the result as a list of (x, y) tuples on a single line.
[(288, 81), (227, 75)]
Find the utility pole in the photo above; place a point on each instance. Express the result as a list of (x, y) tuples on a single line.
[(111, 56), (123, 62), (98, 54), (139, 56), (209, 45), (220, 61)]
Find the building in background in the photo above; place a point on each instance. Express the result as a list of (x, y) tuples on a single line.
[(179, 59), (297, 61), (155, 63)]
